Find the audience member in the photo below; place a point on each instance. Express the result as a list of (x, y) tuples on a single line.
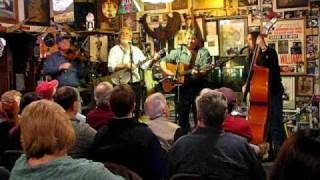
[(102, 114), (209, 151), (69, 99), (299, 157), (46, 90), (46, 134), (239, 125), (157, 109), (9, 111), (234, 124), (15, 132), (126, 141)]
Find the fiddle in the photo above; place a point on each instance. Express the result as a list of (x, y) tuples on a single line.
[(75, 53)]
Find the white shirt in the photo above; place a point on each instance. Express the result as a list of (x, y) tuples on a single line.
[(118, 55)]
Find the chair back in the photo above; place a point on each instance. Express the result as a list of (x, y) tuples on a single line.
[(183, 176), (123, 171)]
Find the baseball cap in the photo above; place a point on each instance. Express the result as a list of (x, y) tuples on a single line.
[(45, 89), (228, 93)]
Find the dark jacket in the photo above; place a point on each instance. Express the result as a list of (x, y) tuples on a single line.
[(68, 77), (132, 144), (210, 151), (269, 59)]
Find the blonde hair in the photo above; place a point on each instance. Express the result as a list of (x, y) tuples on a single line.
[(9, 96), (45, 129)]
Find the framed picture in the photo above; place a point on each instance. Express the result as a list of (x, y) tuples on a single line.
[(289, 100), (232, 36), (37, 11), (247, 2), (63, 11), (155, 8), (9, 11), (305, 85), (207, 4), (291, 4), (129, 20), (288, 36), (312, 46), (98, 48), (179, 4)]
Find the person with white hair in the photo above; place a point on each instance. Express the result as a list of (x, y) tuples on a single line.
[(157, 109), (102, 114), (209, 151)]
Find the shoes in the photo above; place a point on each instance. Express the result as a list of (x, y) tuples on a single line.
[(264, 150)]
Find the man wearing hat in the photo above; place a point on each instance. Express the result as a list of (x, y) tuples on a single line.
[(66, 71), (46, 90)]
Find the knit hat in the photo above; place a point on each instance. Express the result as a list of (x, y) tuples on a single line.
[(229, 94)]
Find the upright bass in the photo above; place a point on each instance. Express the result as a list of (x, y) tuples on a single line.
[(258, 114)]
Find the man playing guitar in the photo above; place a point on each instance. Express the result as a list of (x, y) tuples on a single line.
[(193, 57)]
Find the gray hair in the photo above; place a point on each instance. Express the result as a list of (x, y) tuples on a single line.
[(102, 93), (155, 105), (211, 107)]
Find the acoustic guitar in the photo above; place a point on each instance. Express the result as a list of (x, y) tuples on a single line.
[(169, 82)]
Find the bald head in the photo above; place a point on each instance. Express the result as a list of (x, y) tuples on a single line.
[(102, 93), (156, 106)]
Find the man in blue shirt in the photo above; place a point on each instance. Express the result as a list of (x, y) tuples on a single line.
[(66, 71)]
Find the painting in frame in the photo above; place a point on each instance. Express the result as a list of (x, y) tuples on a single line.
[(9, 11), (155, 8), (232, 36), (289, 100), (284, 4), (179, 4), (129, 20), (37, 11), (305, 85)]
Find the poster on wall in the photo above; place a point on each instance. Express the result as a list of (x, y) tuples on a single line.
[(232, 36), (63, 11), (98, 48), (289, 92), (288, 39)]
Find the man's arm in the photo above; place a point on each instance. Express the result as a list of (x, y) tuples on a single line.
[(113, 61)]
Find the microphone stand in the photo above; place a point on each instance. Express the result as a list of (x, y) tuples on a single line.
[(131, 62), (177, 76)]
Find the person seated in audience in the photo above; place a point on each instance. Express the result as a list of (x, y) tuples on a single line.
[(15, 132), (157, 109), (240, 126), (234, 124), (47, 134), (299, 157), (102, 114), (46, 90), (209, 151), (69, 99), (10, 101), (126, 141)]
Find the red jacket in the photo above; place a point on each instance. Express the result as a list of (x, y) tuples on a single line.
[(237, 125), (99, 116)]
